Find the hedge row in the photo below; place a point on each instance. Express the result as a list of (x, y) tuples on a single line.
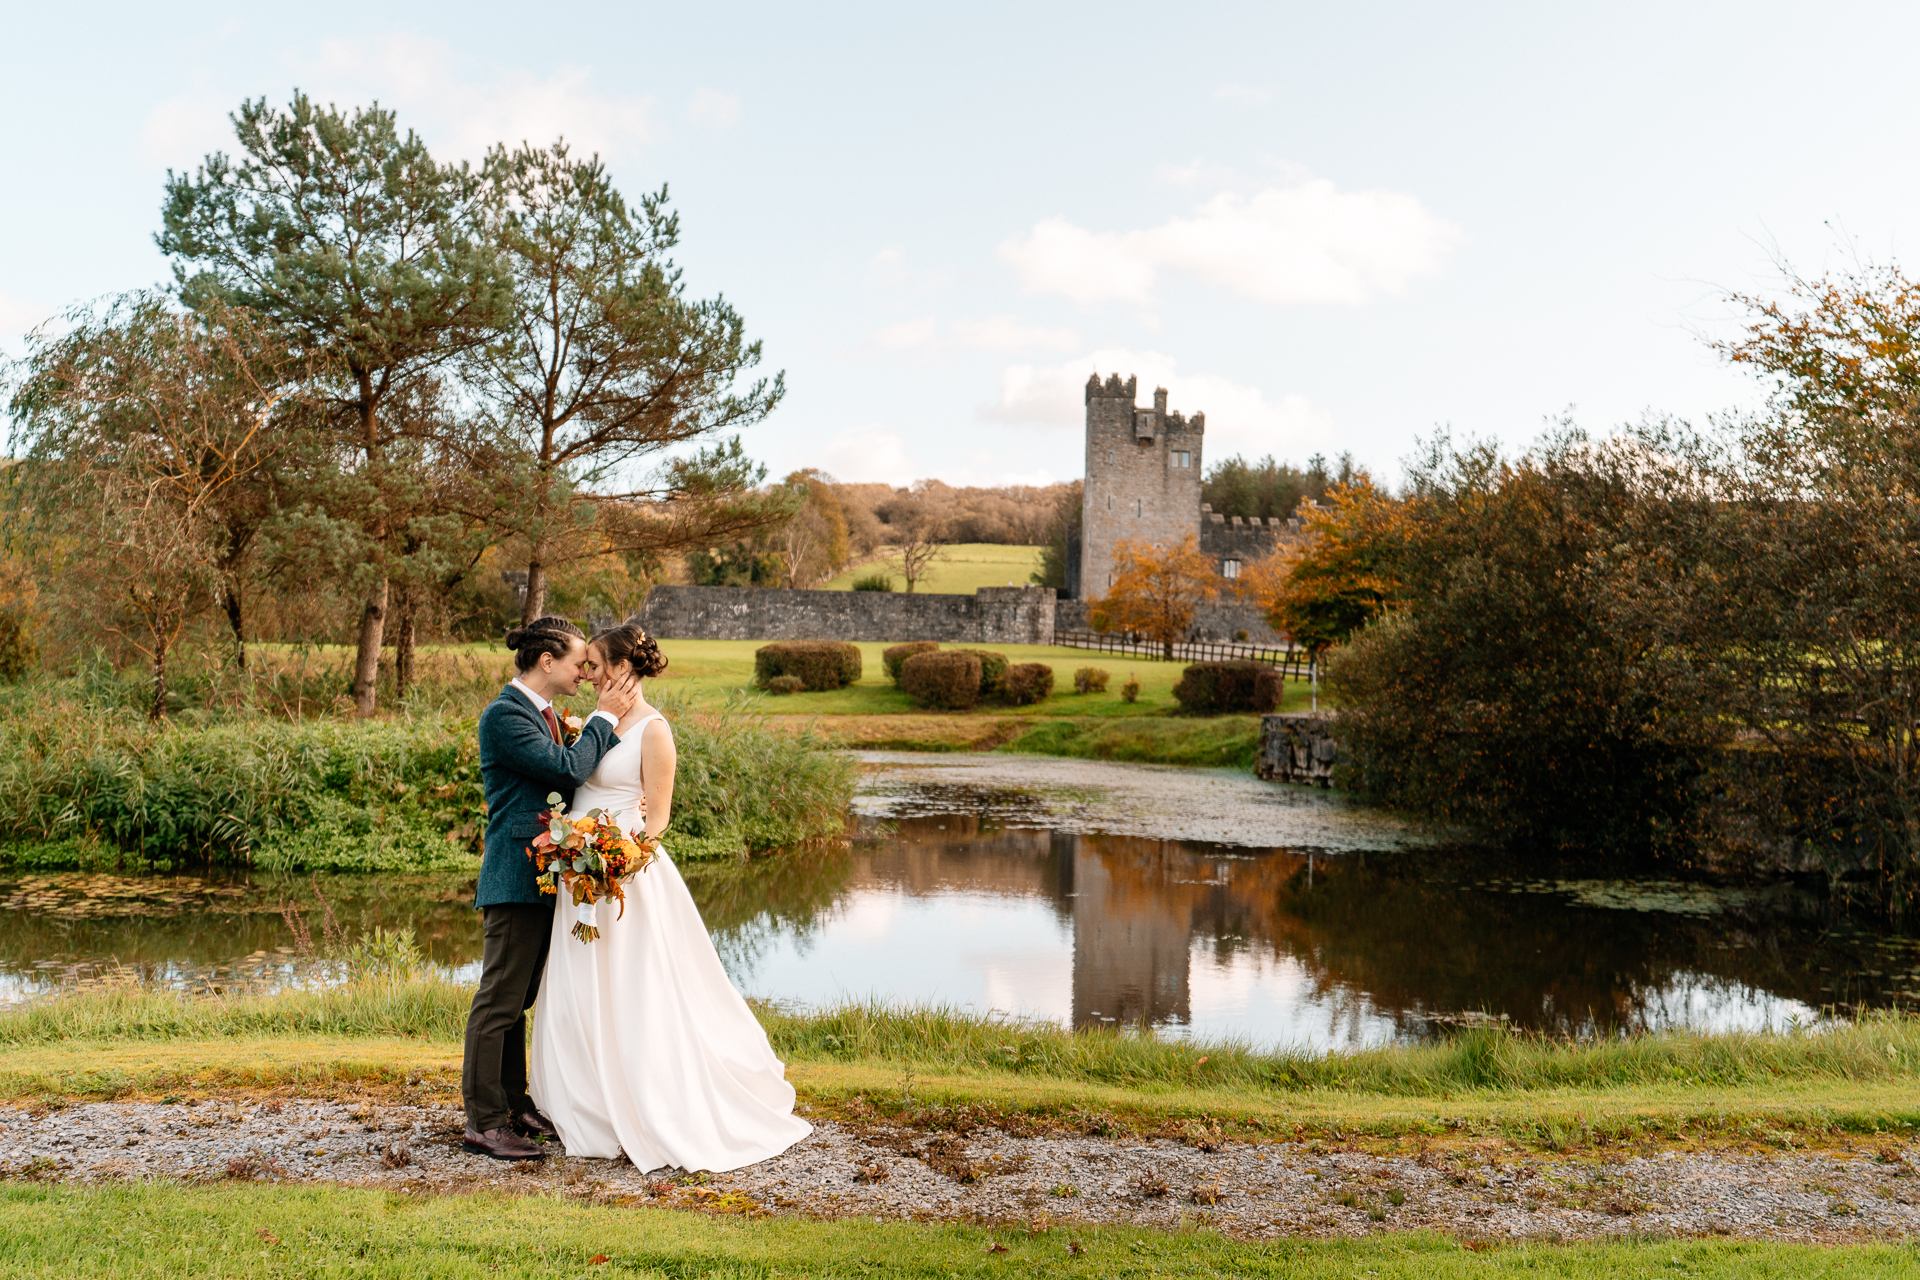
[(819, 665), (1215, 688), (948, 681)]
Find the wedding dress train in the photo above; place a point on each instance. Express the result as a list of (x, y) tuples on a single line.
[(640, 1042)]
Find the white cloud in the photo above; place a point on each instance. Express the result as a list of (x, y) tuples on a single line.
[(183, 130), (461, 114), (1240, 419), (1302, 242), (909, 334), (867, 455), (711, 107), (458, 109), (1243, 95), (995, 333)]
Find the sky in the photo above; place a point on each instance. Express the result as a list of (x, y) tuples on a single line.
[(1332, 228)]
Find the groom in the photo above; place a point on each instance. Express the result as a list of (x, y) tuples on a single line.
[(523, 758)]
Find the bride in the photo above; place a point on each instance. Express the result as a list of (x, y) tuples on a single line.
[(640, 1042)]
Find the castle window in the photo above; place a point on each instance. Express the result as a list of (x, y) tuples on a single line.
[(1230, 568), (1136, 508), (1109, 502), (1183, 459)]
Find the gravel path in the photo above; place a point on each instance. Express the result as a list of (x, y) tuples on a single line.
[(1161, 802), (987, 1175)]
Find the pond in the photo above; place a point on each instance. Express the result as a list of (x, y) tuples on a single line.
[(1200, 903)]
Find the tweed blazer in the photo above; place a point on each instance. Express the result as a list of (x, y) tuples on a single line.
[(521, 765)]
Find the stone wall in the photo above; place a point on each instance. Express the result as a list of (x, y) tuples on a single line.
[(1218, 622), (1298, 746), (992, 615)]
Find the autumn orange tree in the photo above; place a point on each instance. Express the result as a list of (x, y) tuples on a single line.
[(1340, 576), (1156, 589)]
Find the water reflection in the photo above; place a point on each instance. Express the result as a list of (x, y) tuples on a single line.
[(1272, 946), (1277, 946)]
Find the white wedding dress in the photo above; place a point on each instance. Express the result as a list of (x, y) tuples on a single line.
[(640, 1042)]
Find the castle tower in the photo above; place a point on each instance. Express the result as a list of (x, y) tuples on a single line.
[(1143, 477)]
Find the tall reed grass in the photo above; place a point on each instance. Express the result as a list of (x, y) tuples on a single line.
[(397, 1000), (1881, 1047), (86, 781)]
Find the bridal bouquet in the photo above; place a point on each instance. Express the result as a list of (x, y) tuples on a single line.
[(588, 857)]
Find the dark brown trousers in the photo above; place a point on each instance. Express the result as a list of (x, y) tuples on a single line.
[(493, 1074)]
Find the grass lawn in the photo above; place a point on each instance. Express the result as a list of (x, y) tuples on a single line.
[(403, 1036), (962, 569), (714, 670), (874, 715), (166, 1229)]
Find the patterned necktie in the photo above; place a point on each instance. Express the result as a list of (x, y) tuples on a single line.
[(553, 723)]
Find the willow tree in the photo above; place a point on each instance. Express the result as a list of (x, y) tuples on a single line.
[(606, 365), (138, 426), (355, 242)]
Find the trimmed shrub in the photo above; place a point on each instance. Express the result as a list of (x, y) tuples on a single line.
[(1269, 690), (1130, 691), (1090, 680), (899, 653), (1028, 682), (819, 664), (993, 671), (873, 582), (1212, 688), (946, 681), (785, 684)]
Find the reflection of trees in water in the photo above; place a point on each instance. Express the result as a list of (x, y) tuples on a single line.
[(438, 908), (746, 905), (1423, 944), (1408, 937)]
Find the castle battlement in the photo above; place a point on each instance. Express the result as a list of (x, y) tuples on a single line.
[(1143, 469)]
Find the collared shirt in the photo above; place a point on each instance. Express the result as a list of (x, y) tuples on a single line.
[(541, 704)]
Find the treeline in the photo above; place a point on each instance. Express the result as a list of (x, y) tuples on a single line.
[(1605, 643), (378, 383), (836, 525)]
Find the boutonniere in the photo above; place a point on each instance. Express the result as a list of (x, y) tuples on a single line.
[(571, 727)]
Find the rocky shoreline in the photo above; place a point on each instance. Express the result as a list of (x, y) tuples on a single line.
[(981, 1173)]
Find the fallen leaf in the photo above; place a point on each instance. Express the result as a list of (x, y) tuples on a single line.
[(996, 1247), (597, 1259), (268, 1236)]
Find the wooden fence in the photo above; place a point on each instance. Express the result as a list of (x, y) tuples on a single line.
[(1295, 663)]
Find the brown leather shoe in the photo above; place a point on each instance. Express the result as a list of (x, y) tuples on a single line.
[(530, 1123), (501, 1144)]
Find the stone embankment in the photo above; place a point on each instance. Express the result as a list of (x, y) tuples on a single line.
[(1033, 1177)]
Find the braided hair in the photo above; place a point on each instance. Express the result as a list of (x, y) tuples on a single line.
[(547, 634)]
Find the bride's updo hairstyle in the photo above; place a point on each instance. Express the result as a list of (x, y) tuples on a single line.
[(628, 643), (543, 635)]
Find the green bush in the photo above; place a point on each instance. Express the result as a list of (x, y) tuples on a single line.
[(785, 684), (1269, 690), (993, 671), (1090, 680), (1213, 688), (946, 681), (899, 653), (1028, 682), (873, 582), (93, 786), (19, 656), (1130, 691), (819, 664)]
